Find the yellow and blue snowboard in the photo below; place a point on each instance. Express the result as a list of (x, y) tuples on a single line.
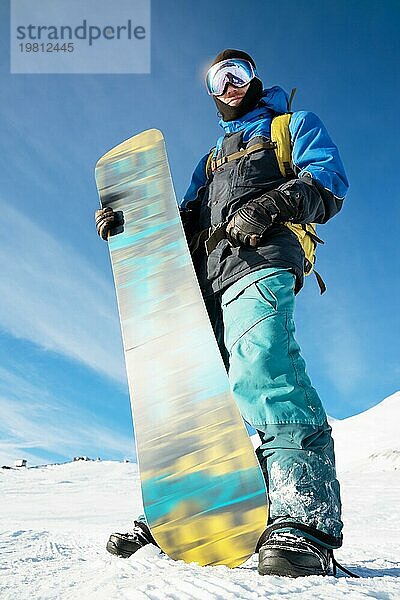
[(203, 491)]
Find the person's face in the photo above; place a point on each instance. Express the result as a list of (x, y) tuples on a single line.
[(233, 95)]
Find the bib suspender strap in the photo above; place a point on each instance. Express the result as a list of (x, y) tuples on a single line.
[(281, 143)]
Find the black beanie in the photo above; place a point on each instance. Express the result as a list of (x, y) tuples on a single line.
[(251, 97), (230, 53)]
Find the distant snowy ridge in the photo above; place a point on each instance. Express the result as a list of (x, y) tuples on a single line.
[(370, 439)]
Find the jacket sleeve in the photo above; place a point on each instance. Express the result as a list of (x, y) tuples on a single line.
[(198, 180), (321, 185)]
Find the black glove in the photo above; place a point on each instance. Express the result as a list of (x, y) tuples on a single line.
[(108, 222), (250, 223), (190, 218)]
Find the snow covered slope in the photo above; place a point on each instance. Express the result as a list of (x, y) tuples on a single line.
[(370, 440), (55, 521)]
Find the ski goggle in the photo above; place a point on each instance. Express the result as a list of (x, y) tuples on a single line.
[(236, 71)]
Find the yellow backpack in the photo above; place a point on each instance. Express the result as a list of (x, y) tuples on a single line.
[(306, 234)]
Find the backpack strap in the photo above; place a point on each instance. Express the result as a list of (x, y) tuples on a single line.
[(236, 155), (320, 281), (209, 169), (292, 95)]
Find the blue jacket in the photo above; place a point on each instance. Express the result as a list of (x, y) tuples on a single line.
[(313, 150), (315, 193)]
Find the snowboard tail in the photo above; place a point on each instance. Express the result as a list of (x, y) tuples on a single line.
[(203, 490)]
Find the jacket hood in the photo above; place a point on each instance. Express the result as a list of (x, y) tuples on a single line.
[(274, 100)]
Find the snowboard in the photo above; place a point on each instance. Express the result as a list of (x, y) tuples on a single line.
[(203, 491)]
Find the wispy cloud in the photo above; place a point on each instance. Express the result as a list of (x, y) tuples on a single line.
[(50, 295), (34, 420)]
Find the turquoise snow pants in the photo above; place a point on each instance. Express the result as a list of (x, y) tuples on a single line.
[(253, 323)]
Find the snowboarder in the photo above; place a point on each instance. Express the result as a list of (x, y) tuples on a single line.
[(249, 276)]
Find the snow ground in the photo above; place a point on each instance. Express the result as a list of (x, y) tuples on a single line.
[(55, 521)]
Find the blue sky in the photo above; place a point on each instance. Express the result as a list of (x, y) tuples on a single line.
[(62, 384)]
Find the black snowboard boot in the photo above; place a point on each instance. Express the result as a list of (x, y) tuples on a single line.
[(125, 544), (290, 555)]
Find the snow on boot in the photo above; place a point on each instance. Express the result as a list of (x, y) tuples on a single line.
[(126, 544), (289, 555)]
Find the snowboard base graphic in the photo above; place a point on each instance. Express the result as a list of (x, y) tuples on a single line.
[(203, 491)]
